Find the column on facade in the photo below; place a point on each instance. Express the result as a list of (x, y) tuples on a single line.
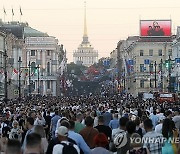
[(44, 87), (28, 57), (38, 54), (53, 88), (43, 60), (15, 56)]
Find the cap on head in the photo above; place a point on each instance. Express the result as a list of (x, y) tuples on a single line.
[(62, 131)]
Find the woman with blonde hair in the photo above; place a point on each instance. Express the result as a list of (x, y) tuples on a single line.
[(38, 129)]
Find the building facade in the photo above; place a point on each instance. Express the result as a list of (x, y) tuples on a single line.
[(143, 64), (42, 53), (32, 63)]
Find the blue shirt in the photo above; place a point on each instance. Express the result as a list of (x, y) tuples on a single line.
[(107, 118), (114, 124), (79, 141), (154, 119), (54, 122)]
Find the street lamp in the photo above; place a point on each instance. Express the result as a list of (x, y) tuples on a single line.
[(38, 80), (124, 80), (169, 61), (155, 74), (29, 78), (19, 88), (161, 75), (5, 73), (150, 84)]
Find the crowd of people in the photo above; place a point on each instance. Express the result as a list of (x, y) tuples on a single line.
[(91, 124)]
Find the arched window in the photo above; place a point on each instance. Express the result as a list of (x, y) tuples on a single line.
[(48, 68)]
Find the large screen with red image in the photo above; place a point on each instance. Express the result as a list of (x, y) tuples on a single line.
[(155, 28)]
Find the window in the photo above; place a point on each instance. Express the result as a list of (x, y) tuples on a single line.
[(142, 83), (170, 52), (33, 52), (33, 65), (150, 67), (141, 52), (48, 52), (160, 52), (48, 68), (150, 52), (48, 84), (141, 67)]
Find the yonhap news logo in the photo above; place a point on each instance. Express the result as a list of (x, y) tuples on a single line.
[(154, 140)]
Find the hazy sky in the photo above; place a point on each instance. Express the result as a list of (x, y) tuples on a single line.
[(108, 21)]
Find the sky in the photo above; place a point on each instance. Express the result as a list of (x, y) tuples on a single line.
[(108, 21)]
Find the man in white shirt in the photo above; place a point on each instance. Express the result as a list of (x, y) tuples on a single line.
[(158, 128), (62, 136), (176, 119)]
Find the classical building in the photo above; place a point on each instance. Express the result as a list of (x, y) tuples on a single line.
[(34, 59), (142, 64), (85, 54)]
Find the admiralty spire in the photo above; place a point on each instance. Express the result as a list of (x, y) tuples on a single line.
[(85, 54)]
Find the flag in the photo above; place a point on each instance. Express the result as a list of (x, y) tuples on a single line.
[(12, 12), (20, 11), (14, 74), (127, 67), (4, 10)]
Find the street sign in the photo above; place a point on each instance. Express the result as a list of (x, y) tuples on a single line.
[(16, 91)]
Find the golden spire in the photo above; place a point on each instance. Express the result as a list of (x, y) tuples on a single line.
[(85, 25)]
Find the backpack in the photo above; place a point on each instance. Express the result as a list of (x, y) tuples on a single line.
[(69, 148)]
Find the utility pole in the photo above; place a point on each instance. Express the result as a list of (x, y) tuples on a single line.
[(155, 74)]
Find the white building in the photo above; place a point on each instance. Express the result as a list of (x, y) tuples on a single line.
[(85, 54), (43, 52)]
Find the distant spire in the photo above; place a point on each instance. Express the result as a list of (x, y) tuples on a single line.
[(85, 25), (85, 36)]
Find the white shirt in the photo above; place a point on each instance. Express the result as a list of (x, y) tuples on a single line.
[(158, 128), (59, 147)]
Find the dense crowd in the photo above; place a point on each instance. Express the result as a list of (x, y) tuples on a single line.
[(89, 125)]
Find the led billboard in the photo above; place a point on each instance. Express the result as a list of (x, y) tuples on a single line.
[(155, 28)]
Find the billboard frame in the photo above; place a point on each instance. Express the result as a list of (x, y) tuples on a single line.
[(155, 36)]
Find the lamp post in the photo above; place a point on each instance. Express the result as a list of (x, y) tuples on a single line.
[(169, 87), (161, 75), (124, 80), (29, 78), (5, 73), (155, 74), (19, 88), (38, 80), (150, 84)]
